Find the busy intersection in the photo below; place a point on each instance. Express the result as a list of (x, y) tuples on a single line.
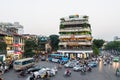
[(101, 72)]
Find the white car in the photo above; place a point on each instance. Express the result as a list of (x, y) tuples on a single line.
[(51, 72), (39, 74), (55, 69), (69, 64), (78, 68)]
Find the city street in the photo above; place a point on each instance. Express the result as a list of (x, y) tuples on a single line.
[(99, 73)]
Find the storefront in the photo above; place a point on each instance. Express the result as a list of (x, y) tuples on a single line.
[(14, 54), (77, 54)]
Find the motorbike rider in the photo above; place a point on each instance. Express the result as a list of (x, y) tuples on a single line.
[(22, 73), (67, 72), (89, 68), (59, 66), (46, 75)]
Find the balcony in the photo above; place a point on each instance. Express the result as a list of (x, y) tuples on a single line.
[(75, 43), (76, 29), (74, 22), (75, 36), (76, 49)]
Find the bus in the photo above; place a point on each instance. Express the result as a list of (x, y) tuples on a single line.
[(23, 63), (57, 58)]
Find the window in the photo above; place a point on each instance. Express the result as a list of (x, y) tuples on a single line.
[(25, 62), (17, 63)]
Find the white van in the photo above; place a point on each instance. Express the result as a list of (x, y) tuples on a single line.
[(23, 63)]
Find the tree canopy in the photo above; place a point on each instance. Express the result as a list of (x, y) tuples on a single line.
[(95, 50), (113, 45), (3, 46), (54, 40), (30, 47), (98, 42)]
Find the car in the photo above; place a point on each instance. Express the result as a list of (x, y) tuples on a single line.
[(78, 68), (55, 69), (43, 58), (69, 65), (92, 64), (51, 72), (116, 59), (34, 68), (40, 74)]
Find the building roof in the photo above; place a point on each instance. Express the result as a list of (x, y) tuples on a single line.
[(3, 32)]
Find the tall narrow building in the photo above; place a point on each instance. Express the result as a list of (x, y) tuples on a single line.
[(75, 36)]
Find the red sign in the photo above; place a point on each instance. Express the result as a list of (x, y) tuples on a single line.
[(17, 52), (16, 45)]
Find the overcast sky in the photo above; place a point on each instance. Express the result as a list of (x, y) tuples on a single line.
[(43, 16)]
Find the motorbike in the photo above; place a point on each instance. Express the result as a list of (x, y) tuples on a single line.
[(105, 63), (110, 62), (83, 71), (31, 78), (89, 69), (67, 73), (59, 66), (22, 74), (117, 72)]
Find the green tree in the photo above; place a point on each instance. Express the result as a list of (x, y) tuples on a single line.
[(61, 26), (30, 47), (41, 42), (98, 42), (113, 45), (54, 40), (3, 46), (95, 50)]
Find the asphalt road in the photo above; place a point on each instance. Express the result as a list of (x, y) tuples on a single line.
[(99, 73)]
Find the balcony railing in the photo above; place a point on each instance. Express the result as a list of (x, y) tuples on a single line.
[(74, 22), (75, 48), (75, 29), (75, 43), (76, 36)]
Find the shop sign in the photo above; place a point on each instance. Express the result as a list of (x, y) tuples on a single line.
[(16, 45)]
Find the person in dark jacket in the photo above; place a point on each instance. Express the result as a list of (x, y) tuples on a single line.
[(46, 75)]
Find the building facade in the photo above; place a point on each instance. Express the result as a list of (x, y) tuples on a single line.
[(13, 40), (19, 27), (75, 37), (116, 38), (44, 45)]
